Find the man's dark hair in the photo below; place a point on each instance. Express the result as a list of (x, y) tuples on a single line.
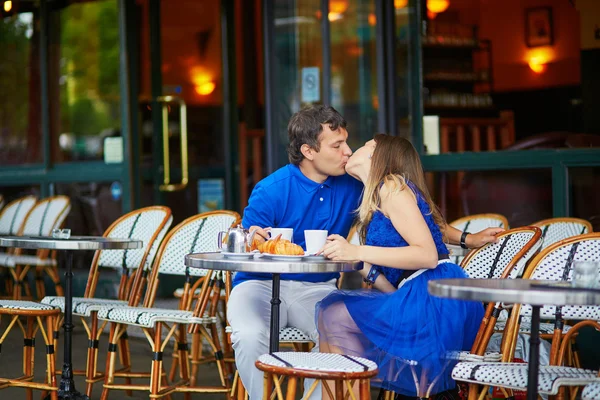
[(305, 127)]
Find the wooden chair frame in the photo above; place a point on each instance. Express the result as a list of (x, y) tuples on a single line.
[(210, 292), (42, 320), (481, 216), (130, 289), (559, 349), (273, 377), (19, 273), (9, 287)]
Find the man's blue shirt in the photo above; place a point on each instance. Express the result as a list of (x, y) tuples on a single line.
[(288, 199)]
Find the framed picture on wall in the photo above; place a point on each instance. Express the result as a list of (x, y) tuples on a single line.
[(538, 26)]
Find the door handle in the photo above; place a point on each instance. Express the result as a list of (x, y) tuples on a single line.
[(167, 186)]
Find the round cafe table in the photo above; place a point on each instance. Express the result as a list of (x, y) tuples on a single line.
[(523, 291), (74, 243), (308, 265)]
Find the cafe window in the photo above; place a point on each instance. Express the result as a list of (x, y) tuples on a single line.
[(84, 76), (20, 123)]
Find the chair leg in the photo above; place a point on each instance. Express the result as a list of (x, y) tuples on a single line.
[(28, 354), (51, 357), (40, 290), (92, 355), (182, 350), (364, 388), (125, 357), (196, 350), (109, 374), (174, 363), (219, 358), (156, 371)]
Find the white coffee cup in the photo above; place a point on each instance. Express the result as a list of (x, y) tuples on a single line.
[(315, 239), (585, 274), (286, 233)]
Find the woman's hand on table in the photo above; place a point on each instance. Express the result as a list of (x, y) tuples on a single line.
[(338, 248), (474, 240), (261, 235)]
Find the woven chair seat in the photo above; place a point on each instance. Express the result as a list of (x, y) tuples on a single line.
[(11, 260), (591, 392), (179, 292), (322, 362), (525, 327), (491, 356), (286, 335), (293, 335), (147, 317), (25, 305), (514, 376), (83, 306)]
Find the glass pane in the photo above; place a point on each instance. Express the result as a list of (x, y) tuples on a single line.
[(585, 197), (353, 67), (298, 50), (191, 70), (20, 123), (86, 69), (522, 196), (403, 73)]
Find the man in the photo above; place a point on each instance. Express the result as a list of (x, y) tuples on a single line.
[(312, 192)]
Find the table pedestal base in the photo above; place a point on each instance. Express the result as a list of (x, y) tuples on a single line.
[(534, 354), (275, 302)]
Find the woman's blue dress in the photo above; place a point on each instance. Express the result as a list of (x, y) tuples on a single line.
[(408, 333)]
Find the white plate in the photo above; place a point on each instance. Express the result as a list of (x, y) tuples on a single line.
[(312, 257), (281, 257), (238, 256)]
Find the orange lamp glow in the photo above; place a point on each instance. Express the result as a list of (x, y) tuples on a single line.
[(537, 65), (205, 88), (400, 3), (337, 6), (372, 19), (7, 5), (437, 6)]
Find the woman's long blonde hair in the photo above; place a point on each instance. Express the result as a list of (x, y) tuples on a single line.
[(394, 162)]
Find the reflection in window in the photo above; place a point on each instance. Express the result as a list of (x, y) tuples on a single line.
[(88, 80), (20, 133)]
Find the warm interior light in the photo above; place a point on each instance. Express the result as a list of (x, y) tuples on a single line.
[(437, 6), (372, 19), (7, 5), (205, 88), (537, 65), (400, 3), (203, 81), (337, 7)]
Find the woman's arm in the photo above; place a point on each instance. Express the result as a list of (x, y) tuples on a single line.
[(472, 240), (401, 207), (381, 283)]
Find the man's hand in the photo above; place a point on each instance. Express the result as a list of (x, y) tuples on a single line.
[(483, 237), (338, 248)]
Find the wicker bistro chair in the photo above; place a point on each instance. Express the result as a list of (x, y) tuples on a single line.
[(45, 216), (319, 366), (195, 234), (150, 225), (11, 222), (591, 392), (1, 201), (37, 317), (505, 259), (476, 223), (557, 229), (553, 263)]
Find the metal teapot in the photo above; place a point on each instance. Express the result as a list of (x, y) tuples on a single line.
[(237, 240)]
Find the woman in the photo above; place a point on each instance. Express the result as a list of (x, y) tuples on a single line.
[(400, 326)]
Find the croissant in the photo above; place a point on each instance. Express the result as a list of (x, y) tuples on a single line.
[(281, 247)]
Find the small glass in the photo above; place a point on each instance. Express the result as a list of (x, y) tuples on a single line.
[(586, 274), (61, 233)]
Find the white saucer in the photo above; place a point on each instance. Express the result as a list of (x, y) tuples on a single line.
[(238, 256), (281, 257)]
